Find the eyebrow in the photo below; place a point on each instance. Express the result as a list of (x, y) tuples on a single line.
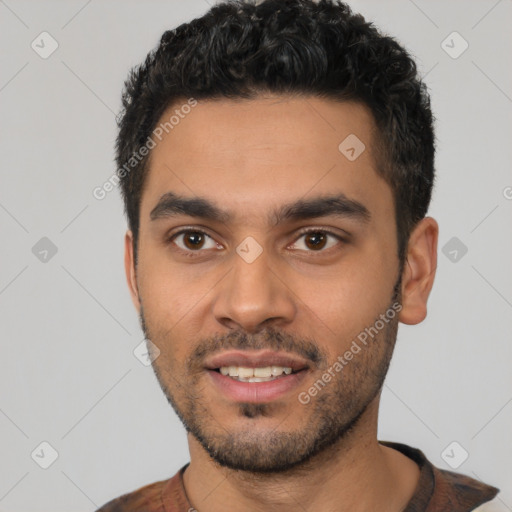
[(172, 205)]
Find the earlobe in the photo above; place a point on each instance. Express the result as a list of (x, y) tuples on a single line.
[(419, 271), (129, 267)]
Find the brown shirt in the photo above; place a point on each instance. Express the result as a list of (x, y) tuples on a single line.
[(437, 490)]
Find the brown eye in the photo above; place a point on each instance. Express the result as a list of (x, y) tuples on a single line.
[(192, 240), (315, 240)]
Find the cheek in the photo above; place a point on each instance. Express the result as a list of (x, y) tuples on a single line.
[(351, 298), (175, 304), (169, 292)]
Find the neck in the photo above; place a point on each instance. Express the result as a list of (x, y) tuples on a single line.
[(357, 474)]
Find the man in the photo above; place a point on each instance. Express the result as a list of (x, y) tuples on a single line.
[(276, 162)]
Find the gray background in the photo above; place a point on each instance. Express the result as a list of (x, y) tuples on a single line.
[(68, 374)]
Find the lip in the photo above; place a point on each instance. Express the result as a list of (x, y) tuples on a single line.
[(256, 359), (256, 392)]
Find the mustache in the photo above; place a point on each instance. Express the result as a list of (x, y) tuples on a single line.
[(268, 338)]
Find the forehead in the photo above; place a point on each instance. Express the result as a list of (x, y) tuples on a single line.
[(249, 154)]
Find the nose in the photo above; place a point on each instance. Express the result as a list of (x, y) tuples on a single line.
[(253, 295)]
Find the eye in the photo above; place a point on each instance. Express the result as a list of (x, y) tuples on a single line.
[(311, 240), (316, 240), (193, 240)]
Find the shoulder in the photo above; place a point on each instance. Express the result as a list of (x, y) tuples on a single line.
[(440, 489), (147, 498), (461, 491)]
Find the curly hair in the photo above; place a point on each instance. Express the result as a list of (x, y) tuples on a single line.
[(245, 48)]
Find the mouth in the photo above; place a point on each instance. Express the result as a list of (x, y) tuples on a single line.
[(259, 374), (256, 377)]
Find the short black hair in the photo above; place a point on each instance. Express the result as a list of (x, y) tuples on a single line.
[(245, 48)]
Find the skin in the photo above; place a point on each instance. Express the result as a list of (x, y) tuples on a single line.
[(251, 157)]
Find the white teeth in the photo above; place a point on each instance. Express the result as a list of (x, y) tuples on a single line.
[(245, 372), (261, 374), (277, 370)]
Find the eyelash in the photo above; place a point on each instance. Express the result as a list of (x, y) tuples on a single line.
[(303, 232)]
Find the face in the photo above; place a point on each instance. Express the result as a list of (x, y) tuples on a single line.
[(266, 255)]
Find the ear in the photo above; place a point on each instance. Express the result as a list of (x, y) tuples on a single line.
[(129, 267), (419, 271)]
